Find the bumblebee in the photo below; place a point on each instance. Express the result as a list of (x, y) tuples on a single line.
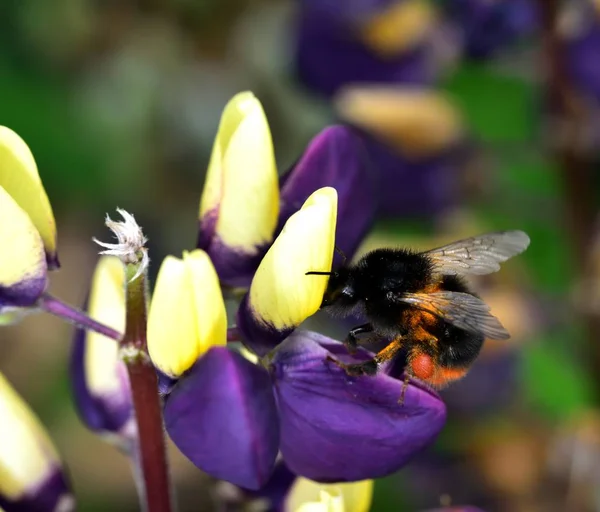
[(420, 303)]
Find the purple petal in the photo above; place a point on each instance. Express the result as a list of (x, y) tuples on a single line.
[(222, 417), (51, 495), (582, 58), (340, 428), (416, 188), (256, 335), (353, 11), (24, 293), (100, 412), (336, 158), (328, 57)]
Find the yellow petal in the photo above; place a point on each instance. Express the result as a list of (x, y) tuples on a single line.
[(241, 182), (400, 27), (19, 177), (353, 497), (419, 122), (187, 313), (281, 294), (107, 305), (27, 454), (22, 259)]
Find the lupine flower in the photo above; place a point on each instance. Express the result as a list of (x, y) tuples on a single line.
[(488, 27), (31, 474), (303, 406), (372, 41), (285, 492), (187, 315), (242, 209), (240, 201), (281, 296), (308, 496), (28, 228), (99, 377), (415, 140)]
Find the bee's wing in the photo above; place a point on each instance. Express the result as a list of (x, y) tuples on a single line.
[(461, 310), (478, 255)]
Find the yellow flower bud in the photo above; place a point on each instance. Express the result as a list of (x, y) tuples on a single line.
[(309, 496), (22, 259), (27, 455), (241, 192), (281, 295), (20, 179), (400, 27), (419, 122), (187, 313), (107, 305)]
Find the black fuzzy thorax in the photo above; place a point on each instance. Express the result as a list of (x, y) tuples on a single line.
[(385, 274)]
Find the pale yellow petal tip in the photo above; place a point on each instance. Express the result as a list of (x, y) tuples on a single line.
[(106, 305), (281, 294), (30, 454), (241, 189), (187, 313), (23, 268), (419, 122), (399, 28), (309, 496), (19, 177)]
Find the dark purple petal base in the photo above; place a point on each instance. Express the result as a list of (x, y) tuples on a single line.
[(340, 428), (99, 413), (53, 494), (234, 267), (25, 293), (336, 157), (222, 416), (257, 336)]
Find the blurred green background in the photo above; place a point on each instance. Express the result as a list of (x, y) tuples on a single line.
[(119, 102)]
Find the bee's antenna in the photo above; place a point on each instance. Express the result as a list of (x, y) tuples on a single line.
[(341, 253), (318, 273)]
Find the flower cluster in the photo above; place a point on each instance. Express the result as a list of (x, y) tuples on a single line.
[(234, 409)]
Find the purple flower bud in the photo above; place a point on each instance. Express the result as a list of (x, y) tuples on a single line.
[(340, 428), (222, 416), (336, 157), (328, 57)]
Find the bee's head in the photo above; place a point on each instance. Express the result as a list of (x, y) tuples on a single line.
[(340, 290)]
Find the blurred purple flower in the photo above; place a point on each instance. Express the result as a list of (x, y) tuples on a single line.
[(408, 187), (53, 494), (582, 50), (488, 27), (328, 426), (329, 54)]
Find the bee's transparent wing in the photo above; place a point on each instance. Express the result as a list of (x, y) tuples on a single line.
[(461, 310), (478, 255)]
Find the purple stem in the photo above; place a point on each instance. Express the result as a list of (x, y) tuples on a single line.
[(75, 316)]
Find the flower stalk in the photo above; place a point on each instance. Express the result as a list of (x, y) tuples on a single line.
[(75, 316), (146, 402), (574, 164)]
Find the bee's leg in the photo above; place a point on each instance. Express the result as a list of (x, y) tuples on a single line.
[(404, 388), (371, 366), (351, 341)]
